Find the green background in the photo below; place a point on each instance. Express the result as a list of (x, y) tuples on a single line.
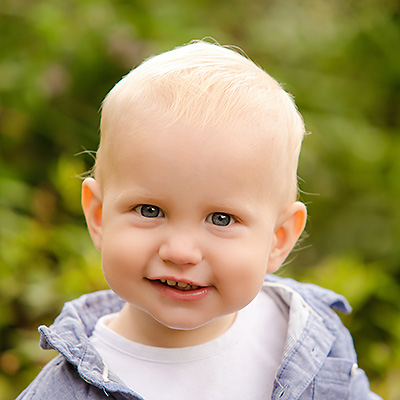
[(339, 58)]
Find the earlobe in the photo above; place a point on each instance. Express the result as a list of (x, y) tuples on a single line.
[(288, 230), (92, 208)]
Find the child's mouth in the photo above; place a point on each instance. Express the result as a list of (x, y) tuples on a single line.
[(179, 285), (180, 290)]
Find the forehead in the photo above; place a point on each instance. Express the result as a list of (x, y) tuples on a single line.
[(229, 157), (214, 145)]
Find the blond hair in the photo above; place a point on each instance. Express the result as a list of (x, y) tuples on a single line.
[(207, 84)]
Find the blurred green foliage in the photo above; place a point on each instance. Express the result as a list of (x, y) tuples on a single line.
[(341, 61)]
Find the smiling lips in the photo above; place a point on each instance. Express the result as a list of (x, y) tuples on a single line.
[(179, 290)]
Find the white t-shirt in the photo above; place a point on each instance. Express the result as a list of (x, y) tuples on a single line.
[(239, 364)]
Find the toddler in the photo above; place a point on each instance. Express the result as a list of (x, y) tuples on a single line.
[(193, 206)]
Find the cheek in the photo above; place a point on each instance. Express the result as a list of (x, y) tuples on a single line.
[(122, 254), (248, 260), (243, 271)]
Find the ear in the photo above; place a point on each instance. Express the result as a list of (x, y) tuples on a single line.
[(92, 208), (290, 225)]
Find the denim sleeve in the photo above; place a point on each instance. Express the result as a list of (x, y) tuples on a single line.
[(59, 380)]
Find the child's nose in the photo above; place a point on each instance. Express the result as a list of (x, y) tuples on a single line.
[(180, 248)]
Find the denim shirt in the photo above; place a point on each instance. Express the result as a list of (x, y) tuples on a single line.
[(319, 360)]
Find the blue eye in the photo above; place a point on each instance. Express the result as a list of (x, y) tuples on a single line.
[(220, 219), (149, 211)]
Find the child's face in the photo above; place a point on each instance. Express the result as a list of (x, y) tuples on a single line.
[(189, 224)]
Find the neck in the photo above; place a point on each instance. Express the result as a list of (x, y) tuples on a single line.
[(140, 327)]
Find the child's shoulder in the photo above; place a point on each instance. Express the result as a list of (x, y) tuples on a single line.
[(315, 296), (59, 380), (67, 375)]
